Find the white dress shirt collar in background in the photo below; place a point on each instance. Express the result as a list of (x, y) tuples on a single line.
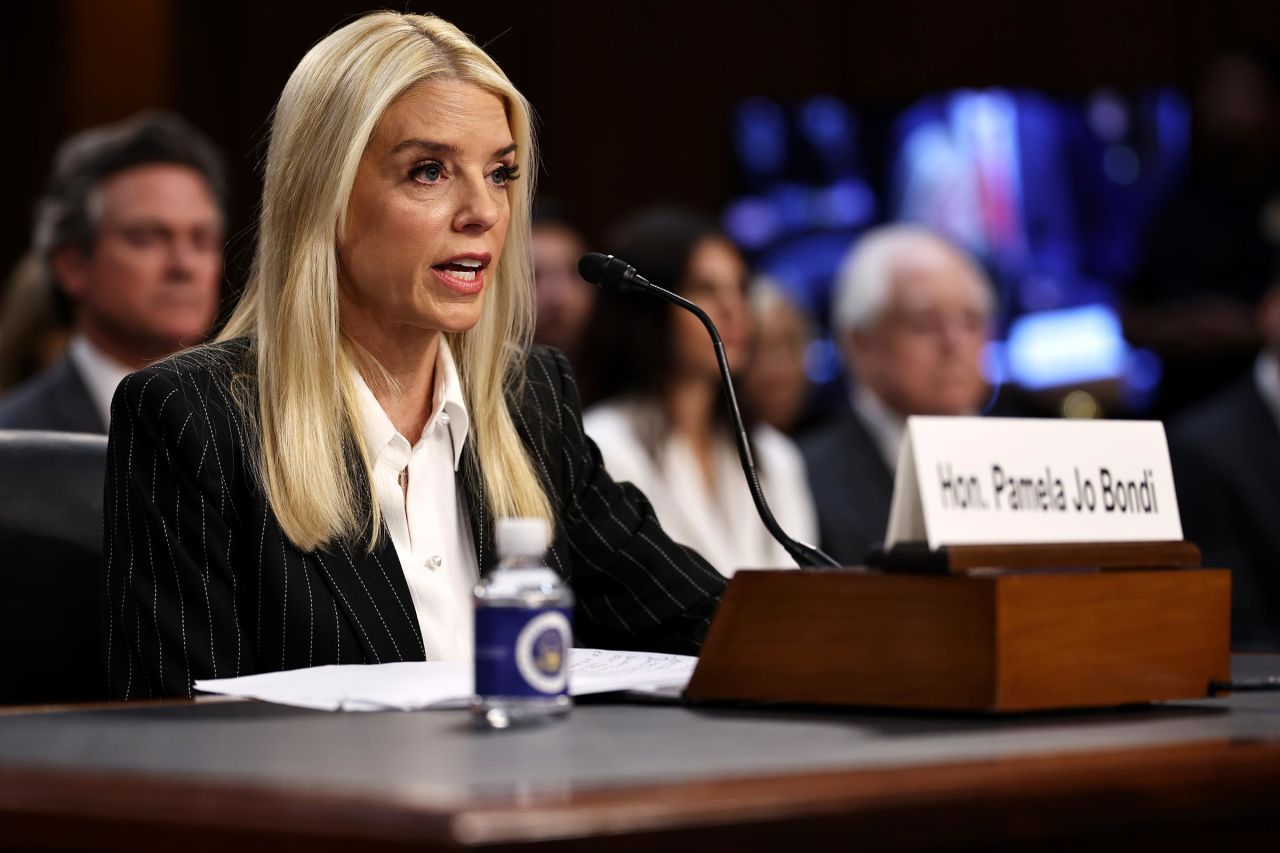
[(1266, 378), (100, 373), (427, 522), (885, 425), (717, 519)]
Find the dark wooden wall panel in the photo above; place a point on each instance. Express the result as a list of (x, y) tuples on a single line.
[(632, 98)]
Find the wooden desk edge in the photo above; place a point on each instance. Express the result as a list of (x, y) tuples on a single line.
[(1013, 799), (114, 705)]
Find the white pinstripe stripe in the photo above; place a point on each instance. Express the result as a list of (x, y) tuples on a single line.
[(369, 595), (109, 550), (217, 457), (261, 541), (337, 625), (577, 549), (235, 605), (412, 622), (311, 611), (155, 606), (182, 608), (185, 422), (142, 393), (284, 604), (359, 627), (204, 551), (128, 525)]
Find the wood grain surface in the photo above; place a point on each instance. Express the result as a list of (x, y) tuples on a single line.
[(1004, 642)]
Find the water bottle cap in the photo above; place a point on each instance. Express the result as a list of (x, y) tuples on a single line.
[(522, 537)]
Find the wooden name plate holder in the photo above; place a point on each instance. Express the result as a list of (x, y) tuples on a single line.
[(976, 628)]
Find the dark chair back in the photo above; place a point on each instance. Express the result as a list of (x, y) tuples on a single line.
[(51, 566)]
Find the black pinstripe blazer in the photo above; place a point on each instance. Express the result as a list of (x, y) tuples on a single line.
[(200, 581)]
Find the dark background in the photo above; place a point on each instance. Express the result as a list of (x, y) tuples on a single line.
[(632, 98)]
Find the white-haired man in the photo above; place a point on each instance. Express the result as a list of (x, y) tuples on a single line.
[(912, 314)]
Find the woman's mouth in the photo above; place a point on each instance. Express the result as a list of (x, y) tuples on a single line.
[(463, 274)]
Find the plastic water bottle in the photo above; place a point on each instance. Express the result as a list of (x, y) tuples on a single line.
[(523, 625)]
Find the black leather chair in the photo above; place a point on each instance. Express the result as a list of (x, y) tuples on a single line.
[(51, 566)]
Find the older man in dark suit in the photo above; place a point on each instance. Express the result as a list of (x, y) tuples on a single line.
[(129, 231), (912, 313), (1226, 460)]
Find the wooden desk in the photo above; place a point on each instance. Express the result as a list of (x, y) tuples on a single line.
[(209, 775)]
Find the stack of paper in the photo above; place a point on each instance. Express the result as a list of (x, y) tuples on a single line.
[(435, 684)]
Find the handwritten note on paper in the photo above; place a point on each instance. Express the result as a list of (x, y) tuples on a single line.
[(602, 671), (418, 685)]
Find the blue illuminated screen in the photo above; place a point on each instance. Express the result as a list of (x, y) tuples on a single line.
[(1051, 194)]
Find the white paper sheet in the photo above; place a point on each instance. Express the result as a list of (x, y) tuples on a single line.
[(434, 684)]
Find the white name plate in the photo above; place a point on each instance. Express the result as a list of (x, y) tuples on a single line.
[(1004, 481)]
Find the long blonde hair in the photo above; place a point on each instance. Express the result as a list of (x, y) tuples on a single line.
[(303, 403)]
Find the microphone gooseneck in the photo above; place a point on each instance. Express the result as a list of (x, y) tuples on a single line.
[(611, 273)]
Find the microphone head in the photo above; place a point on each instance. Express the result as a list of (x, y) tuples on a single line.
[(607, 272), (591, 266)]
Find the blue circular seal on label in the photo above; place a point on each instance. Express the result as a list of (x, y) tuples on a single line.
[(542, 652)]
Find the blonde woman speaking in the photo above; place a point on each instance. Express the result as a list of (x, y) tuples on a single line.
[(320, 485)]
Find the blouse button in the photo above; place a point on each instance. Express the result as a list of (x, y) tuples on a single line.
[(444, 419), (436, 561)]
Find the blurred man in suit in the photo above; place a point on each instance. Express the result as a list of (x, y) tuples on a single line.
[(129, 232), (911, 313), (1226, 460)]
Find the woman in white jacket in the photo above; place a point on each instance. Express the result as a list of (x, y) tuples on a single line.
[(665, 425)]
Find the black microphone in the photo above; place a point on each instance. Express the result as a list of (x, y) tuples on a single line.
[(610, 273)]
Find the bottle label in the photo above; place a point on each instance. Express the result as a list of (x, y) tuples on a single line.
[(522, 651)]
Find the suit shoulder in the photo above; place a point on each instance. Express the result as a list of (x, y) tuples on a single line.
[(216, 362), (546, 365), (824, 441), (545, 374), (26, 405), (842, 453), (1208, 428), (550, 356), (201, 377), (199, 367), (56, 399)]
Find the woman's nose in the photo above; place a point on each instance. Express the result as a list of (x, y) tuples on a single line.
[(478, 208)]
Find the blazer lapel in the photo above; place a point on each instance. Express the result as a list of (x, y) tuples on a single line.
[(477, 509), (372, 593), (371, 589)]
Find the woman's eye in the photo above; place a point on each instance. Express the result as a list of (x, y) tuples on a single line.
[(427, 173), (504, 175)]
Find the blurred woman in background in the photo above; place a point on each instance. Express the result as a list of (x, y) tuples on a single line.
[(776, 381), (665, 426), (31, 335)]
